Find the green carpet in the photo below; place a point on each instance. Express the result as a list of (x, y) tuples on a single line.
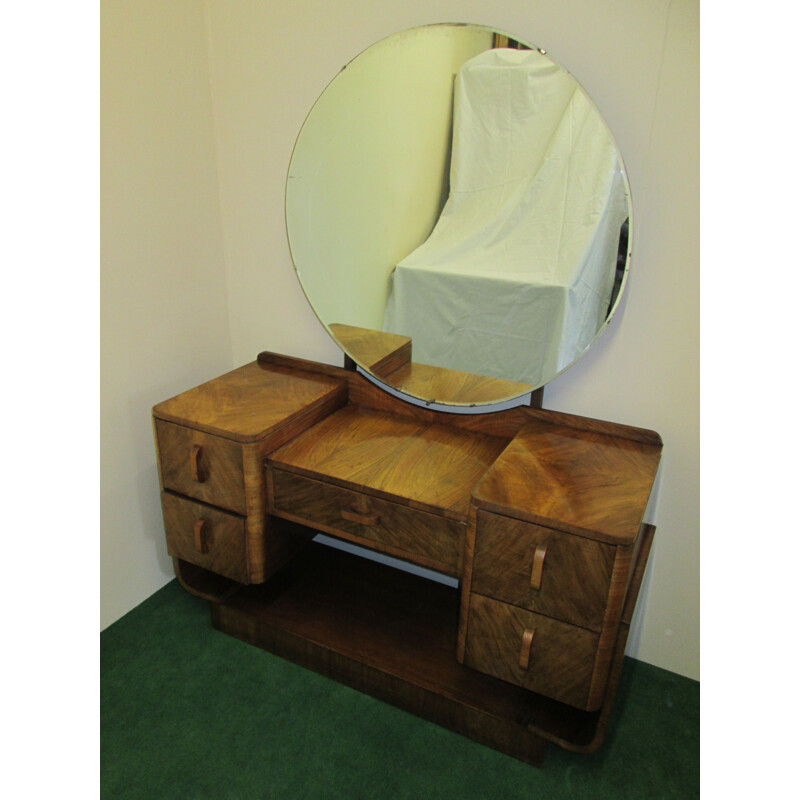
[(191, 714)]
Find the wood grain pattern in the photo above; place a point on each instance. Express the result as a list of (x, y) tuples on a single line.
[(224, 548), (586, 483), (417, 536), (586, 734), (250, 402), (384, 632), (539, 555), (439, 385), (525, 650), (379, 352), (561, 658), (368, 519), (428, 467), (223, 475), (620, 578), (388, 356), (267, 549), (197, 468), (201, 536), (591, 425), (467, 571), (202, 583), (320, 609), (537, 512), (213, 448), (575, 578), (504, 424), (269, 545)]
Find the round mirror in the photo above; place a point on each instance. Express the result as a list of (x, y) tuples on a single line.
[(458, 215)]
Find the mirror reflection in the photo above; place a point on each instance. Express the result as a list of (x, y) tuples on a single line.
[(454, 202)]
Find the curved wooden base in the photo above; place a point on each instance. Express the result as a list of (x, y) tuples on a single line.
[(204, 584), (392, 635)]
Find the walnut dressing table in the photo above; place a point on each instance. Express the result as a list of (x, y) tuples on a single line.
[(537, 514), (419, 449)]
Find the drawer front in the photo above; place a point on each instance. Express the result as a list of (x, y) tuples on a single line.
[(543, 570), (529, 650), (201, 466), (205, 536), (415, 535)]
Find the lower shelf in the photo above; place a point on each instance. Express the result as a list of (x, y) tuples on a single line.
[(392, 635)]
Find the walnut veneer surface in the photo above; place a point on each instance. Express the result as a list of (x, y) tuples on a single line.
[(429, 466), (538, 514), (389, 356)]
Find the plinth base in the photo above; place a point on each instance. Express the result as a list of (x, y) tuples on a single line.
[(392, 635)]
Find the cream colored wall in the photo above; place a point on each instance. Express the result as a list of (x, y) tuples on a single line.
[(343, 162), (640, 64), (166, 321), (646, 369), (164, 309)]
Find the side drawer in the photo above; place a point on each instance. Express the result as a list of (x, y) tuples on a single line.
[(530, 650), (543, 570), (417, 536), (205, 536), (201, 466)]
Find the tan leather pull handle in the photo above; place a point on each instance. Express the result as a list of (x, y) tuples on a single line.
[(538, 566), (525, 650), (198, 473), (201, 536), (361, 519)]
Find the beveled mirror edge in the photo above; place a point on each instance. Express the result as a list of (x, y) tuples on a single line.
[(513, 400)]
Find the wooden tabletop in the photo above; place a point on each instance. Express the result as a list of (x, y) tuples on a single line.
[(584, 482), (431, 467), (250, 402)]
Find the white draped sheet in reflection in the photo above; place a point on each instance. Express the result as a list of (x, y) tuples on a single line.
[(516, 278)]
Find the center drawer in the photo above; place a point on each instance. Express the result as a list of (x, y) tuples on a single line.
[(411, 534)]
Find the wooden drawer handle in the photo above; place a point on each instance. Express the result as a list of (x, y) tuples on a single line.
[(361, 519), (525, 650), (198, 473), (538, 566), (201, 536)]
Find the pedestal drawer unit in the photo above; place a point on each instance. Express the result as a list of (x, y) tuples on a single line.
[(211, 443), (541, 614), (551, 553)]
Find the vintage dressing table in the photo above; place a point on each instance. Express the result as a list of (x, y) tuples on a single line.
[(531, 519)]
